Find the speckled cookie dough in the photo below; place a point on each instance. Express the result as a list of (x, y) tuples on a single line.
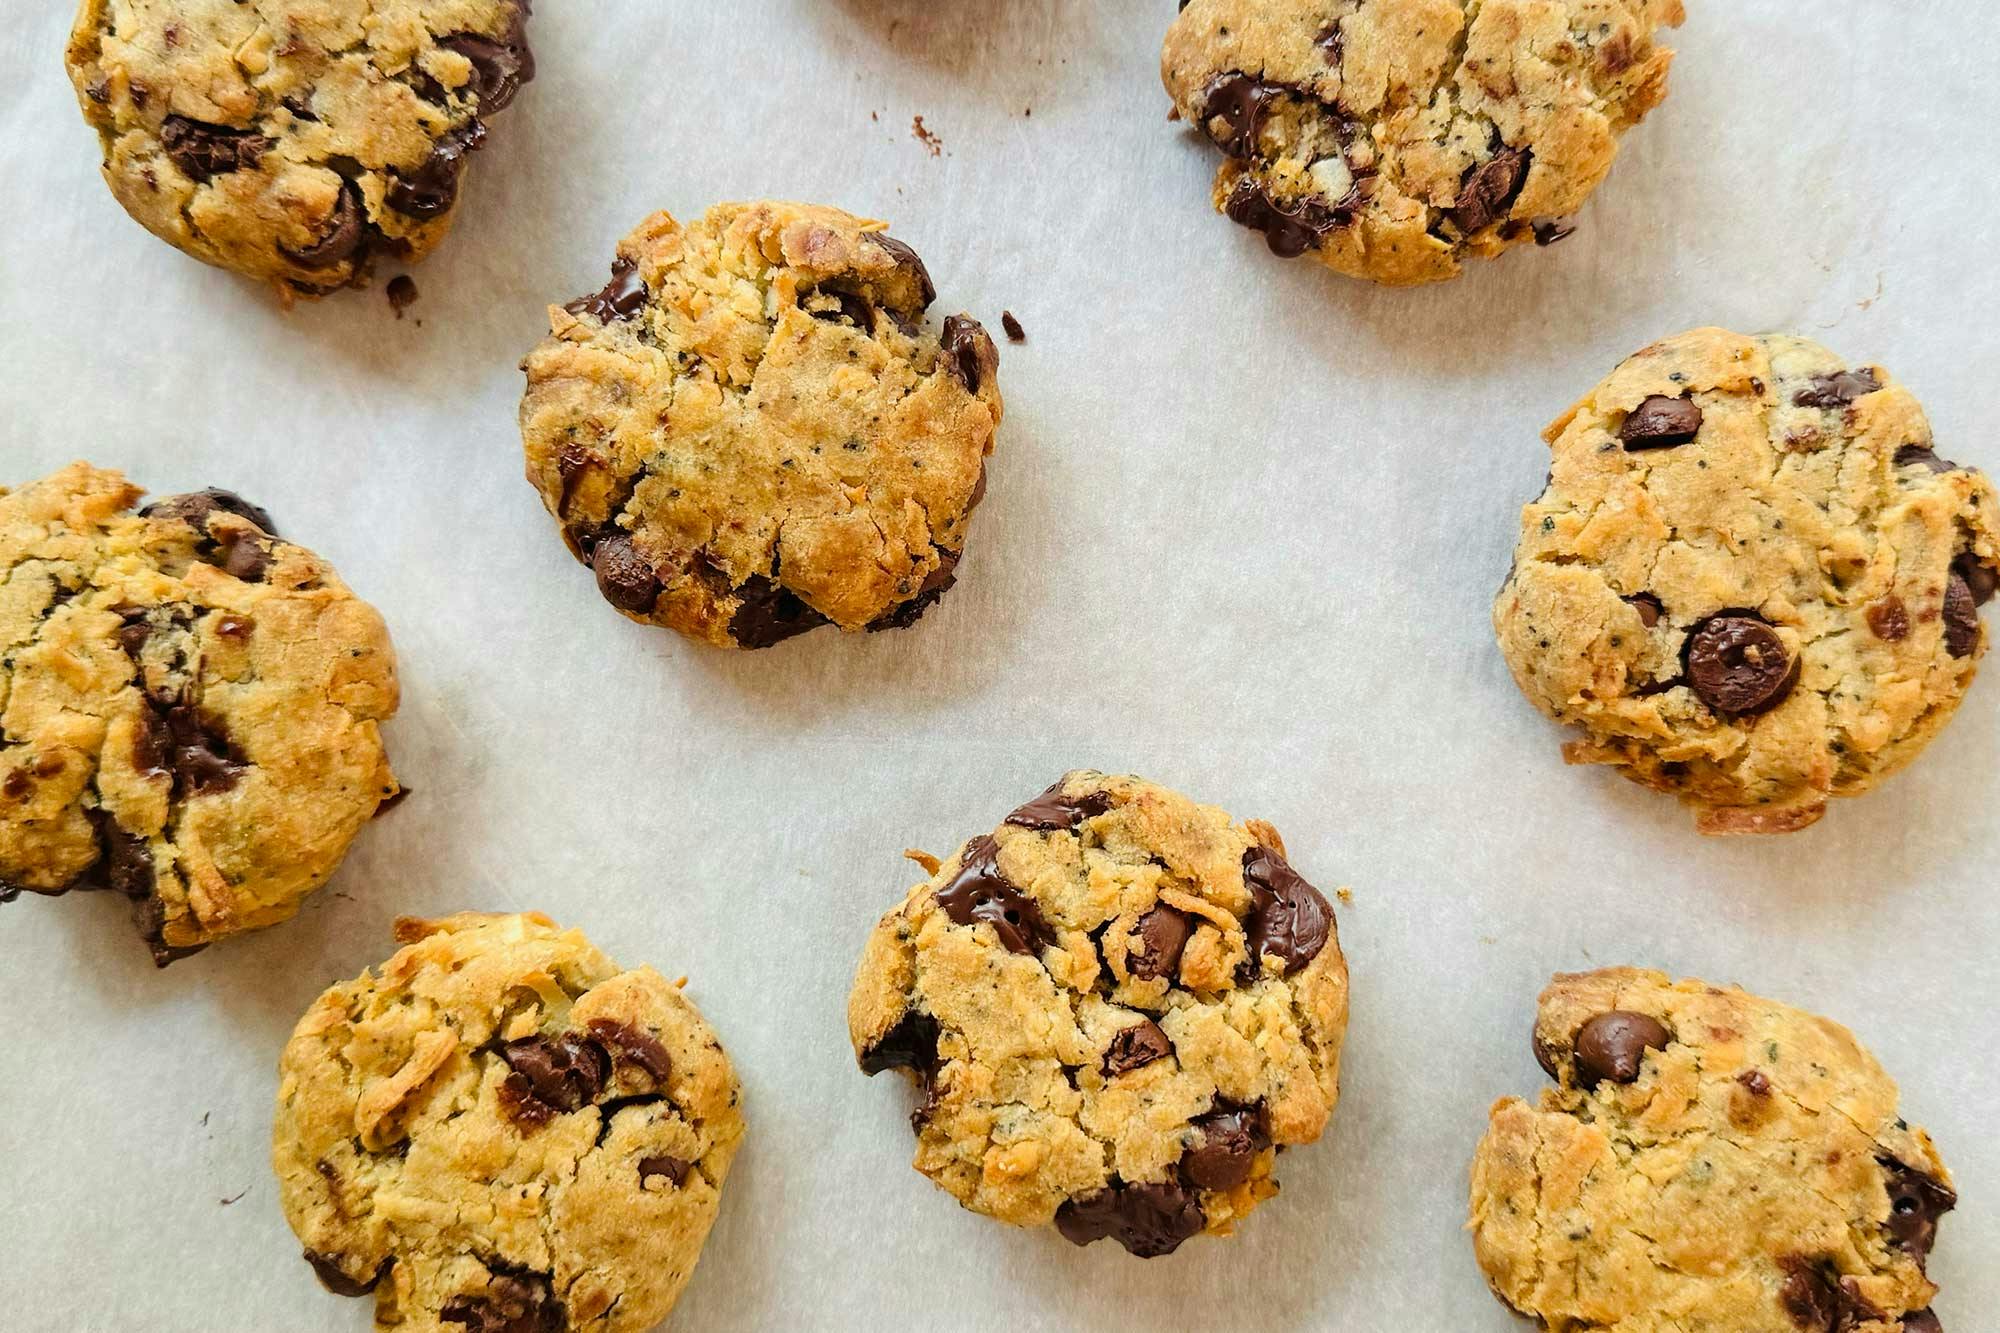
[(1391, 139), (190, 707), (1119, 1004), (1751, 581), (1706, 1160), (503, 1131), (293, 140), (750, 432)]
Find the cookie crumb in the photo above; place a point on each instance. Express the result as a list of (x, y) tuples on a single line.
[(1015, 334), (925, 137), (1345, 894), (402, 293), (925, 859)]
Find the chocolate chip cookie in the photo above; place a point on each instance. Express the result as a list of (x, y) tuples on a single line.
[(1118, 1005), (1391, 139), (293, 140), (1751, 581), (1706, 1160), (501, 1130), (751, 431), (190, 707)]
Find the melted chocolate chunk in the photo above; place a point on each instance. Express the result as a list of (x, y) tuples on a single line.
[(1289, 229), (630, 1045), (335, 1279), (1489, 190), (1148, 1220), (935, 585), (431, 190), (1660, 423), (1163, 935), (1737, 664), (969, 353), (551, 1075), (178, 743), (621, 298), (1052, 810), (126, 866), (1135, 1047), (768, 613), (673, 1169), (1648, 606), (511, 1303), (244, 557), (911, 1044), (195, 507), (1819, 1299), (847, 306), (500, 66), (1837, 390), (1614, 1045), (1889, 619), (1916, 1202), (980, 893), (907, 260), (1239, 102), (625, 578), (1980, 579), (1961, 617), (1922, 455), (1331, 43), (203, 151), (1231, 1138), (346, 233), (1289, 919)]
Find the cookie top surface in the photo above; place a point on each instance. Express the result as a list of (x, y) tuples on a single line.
[(292, 140), (750, 431), (501, 1130), (1393, 138), (189, 707), (1707, 1159), (1118, 1002), (1751, 580)]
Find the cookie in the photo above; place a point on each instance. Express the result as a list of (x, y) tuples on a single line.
[(751, 432), (1706, 1160), (1392, 139), (503, 1131), (1751, 581), (190, 707), (1118, 1004), (292, 141)]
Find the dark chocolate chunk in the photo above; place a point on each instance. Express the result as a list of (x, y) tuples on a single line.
[(769, 613), (1489, 190), (126, 866), (1148, 1220), (969, 353), (626, 578), (1737, 664), (1980, 578), (847, 306), (1614, 1046), (1135, 1047), (1230, 1139), (178, 742), (935, 585), (621, 298), (195, 507), (345, 236), (1819, 1299), (631, 1045), (1648, 606), (1922, 455), (1889, 619), (1289, 229), (1012, 327), (335, 1279), (1660, 423), (500, 66), (673, 1169), (1332, 43), (511, 1303), (431, 190), (1961, 616), (551, 1075), (911, 1044), (203, 151), (1239, 102), (979, 892), (1052, 810), (245, 557), (1837, 390), (1289, 919), (1916, 1202), (907, 260), (1162, 935)]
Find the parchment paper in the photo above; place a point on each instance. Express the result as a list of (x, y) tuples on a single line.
[(1244, 525)]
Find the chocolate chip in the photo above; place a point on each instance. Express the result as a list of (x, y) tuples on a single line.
[(1660, 423), (1162, 934), (935, 585), (626, 578), (1240, 103), (1889, 619), (621, 298), (1916, 1202), (511, 1303), (1961, 617), (195, 507), (1737, 664), (1837, 390), (768, 613), (1980, 578), (1135, 1047), (1052, 810), (431, 190), (911, 1044), (203, 151), (499, 66), (1230, 1139), (847, 306), (632, 1046), (335, 1279), (551, 1075), (1755, 1082), (1289, 920), (1489, 189), (672, 1168), (1614, 1046), (1648, 606), (1012, 327), (1819, 1299), (1550, 230), (346, 232), (245, 557), (979, 892), (1148, 1220), (1923, 1321), (969, 353), (907, 260), (1289, 229), (1922, 455)]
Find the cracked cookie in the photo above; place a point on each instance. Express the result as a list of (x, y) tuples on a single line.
[(1119, 1004), (190, 707), (503, 1131), (1751, 580), (1391, 139), (750, 432), (293, 140), (1706, 1160)]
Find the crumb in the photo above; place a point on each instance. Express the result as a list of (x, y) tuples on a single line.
[(205, 1115), (402, 293), (1015, 334), (926, 138), (1345, 894), (875, 116), (925, 859), (234, 1197), (1173, 114), (1028, 112)]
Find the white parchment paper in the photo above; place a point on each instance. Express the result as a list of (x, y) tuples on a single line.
[(1244, 525)]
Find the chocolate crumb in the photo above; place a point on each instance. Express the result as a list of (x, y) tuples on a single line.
[(926, 137), (1015, 333), (402, 293)]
